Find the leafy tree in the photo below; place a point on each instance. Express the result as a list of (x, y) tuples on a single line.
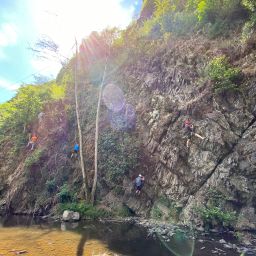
[(57, 92), (249, 26), (214, 10), (162, 7), (249, 4), (26, 105), (223, 75)]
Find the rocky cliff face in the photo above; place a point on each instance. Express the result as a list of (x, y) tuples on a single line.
[(164, 88), (168, 88)]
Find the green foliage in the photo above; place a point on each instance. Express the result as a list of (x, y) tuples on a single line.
[(34, 158), (23, 108), (223, 75), (151, 29), (65, 195), (156, 213), (215, 17), (51, 186), (216, 198), (213, 10), (213, 216), (179, 23), (57, 91), (217, 29), (162, 7), (239, 236), (86, 210), (201, 10), (249, 28), (118, 153), (167, 20), (191, 5), (249, 4), (65, 77), (129, 37)]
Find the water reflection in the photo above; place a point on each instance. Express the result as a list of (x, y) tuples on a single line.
[(39, 237), (179, 244), (89, 238), (81, 245)]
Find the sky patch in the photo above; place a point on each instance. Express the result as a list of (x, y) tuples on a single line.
[(62, 21)]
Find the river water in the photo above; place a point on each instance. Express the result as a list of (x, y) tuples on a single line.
[(27, 236)]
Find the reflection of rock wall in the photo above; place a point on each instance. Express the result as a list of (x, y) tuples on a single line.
[(167, 88)]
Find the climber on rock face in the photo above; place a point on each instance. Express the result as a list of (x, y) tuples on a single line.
[(139, 183), (75, 150), (189, 131), (32, 141)]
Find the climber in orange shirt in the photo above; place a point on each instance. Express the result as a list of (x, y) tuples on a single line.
[(32, 141)]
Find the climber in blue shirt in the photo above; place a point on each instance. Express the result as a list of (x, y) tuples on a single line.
[(75, 151)]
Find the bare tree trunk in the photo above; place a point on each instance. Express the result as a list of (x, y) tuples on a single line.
[(85, 187), (97, 137)]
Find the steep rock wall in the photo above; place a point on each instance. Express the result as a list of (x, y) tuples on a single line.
[(165, 90), (163, 87)]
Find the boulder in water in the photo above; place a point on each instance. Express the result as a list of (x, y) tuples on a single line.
[(70, 216)]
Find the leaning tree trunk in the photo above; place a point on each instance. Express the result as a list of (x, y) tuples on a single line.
[(85, 187), (97, 137)]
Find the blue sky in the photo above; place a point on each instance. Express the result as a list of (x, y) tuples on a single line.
[(22, 22)]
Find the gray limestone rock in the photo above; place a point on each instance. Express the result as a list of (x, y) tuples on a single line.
[(70, 216)]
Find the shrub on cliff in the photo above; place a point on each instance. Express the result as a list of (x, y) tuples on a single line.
[(179, 23), (249, 28), (215, 216), (223, 75), (65, 195), (213, 10), (34, 158), (51, 186), (250, 5), (212, 17), (213, 213)]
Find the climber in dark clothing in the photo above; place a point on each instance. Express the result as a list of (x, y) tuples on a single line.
[(139, 183), (189, 131)]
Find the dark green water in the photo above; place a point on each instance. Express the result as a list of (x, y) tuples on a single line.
[(119, 238)]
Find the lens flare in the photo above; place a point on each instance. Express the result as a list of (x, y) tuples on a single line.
[(113, 98), (180, 244)]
